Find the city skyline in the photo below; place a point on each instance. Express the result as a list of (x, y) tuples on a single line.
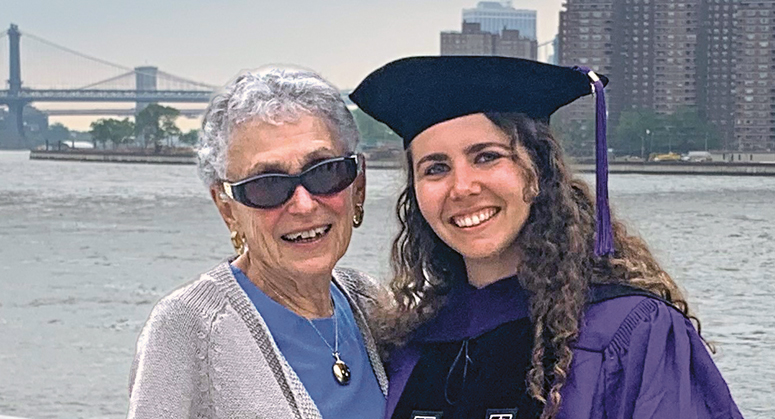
[(495, 16), (325, 38), (495, 28), (343, 40)]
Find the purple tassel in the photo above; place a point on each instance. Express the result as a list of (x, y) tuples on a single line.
[(604, 239)]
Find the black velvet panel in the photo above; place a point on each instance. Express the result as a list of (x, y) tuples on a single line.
[(495, 376)]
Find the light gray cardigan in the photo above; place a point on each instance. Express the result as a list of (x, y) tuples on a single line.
[(205, 352)]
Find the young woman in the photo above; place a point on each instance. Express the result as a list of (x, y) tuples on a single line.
[(517, 295)]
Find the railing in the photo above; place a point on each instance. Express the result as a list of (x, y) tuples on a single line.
[(54, 95), (188, 113)]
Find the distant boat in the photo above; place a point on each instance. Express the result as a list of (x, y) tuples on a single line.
[(665, 157), (76, 145), (697, 156)]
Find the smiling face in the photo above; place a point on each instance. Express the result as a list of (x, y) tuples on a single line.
[(470, 189), (308, 234)]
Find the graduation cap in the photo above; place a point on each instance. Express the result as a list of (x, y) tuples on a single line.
[(412, 94)]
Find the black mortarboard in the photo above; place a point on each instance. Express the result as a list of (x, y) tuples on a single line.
[(412, 94)]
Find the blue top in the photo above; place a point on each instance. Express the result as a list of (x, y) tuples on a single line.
[(312, 360)]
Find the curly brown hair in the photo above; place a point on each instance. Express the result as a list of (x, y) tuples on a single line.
[(557, 266)]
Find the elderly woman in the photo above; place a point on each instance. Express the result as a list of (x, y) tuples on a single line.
[(277, 331)]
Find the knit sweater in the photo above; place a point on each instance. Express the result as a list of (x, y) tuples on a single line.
[(205, 352)]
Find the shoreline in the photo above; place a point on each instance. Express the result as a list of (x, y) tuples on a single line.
[(643, 168), (683, 168), (113, 157)]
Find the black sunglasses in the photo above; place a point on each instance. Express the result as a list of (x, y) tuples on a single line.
[(271, 190)]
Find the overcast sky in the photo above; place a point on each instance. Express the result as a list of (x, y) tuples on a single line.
[(212, 41)]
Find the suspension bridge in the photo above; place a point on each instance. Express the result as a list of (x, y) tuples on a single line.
[(54, 73), (51, 73)]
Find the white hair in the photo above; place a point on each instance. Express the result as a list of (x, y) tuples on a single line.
[(275, 96)]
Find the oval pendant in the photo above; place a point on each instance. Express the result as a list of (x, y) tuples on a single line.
[(341, 372)]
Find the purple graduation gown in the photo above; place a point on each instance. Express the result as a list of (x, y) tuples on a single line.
[(636, 357)]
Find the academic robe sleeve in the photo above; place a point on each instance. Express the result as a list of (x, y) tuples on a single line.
[(656, 366)]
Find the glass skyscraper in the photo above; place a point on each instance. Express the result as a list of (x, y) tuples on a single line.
[(494, 16)]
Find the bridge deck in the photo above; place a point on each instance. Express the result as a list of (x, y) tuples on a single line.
[(64, 95)]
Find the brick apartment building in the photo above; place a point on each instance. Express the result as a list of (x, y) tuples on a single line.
[(717, 56), (754, 113), (473, 41)]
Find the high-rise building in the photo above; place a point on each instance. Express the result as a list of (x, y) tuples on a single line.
[(716, 67), (714, 56), (511, 43), (585, 39), (495, 16), (755, 76), (470, 41), (674, 41), (473, 41)]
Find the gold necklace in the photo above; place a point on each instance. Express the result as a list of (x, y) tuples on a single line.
[(340, 369)]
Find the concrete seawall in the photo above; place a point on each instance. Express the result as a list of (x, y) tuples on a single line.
[(684, 168), (113, 157), (650, 168)]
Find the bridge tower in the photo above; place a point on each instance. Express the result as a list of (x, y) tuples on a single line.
[(15, 107), (15, 79), (145, 81)]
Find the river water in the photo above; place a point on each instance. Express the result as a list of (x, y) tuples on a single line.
[(87, 248)]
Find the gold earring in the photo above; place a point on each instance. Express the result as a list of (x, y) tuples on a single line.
[(358, 216), (531, 193), (239, 242)]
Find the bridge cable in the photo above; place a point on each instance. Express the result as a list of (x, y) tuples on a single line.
[(181, 79), (88, 57), (120, 76), (131, 70)]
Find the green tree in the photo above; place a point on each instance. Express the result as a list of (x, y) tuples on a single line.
[(100, 132), (644, 131), (155, 123), (373, 131), (688, 131), (636, 133), (57, 132), (121, 131), (190, 138), (577, 136), (113, 130)]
